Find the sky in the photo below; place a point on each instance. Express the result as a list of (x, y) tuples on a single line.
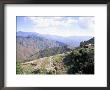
[(57, 25)]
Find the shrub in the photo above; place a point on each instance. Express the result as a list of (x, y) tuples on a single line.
[(19, 69), (80, 61)]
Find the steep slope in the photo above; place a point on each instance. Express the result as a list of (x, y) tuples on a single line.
[(81, 59), (49, 52), (29, 44), (78, 61)]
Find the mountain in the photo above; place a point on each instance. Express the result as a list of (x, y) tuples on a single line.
[(77, 61), (84, 43), (32, 45), (28, 44), (49, 52), (71, 41), (25, 34)]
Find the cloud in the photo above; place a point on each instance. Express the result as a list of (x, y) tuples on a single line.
[(82, 22), (86, 22), (46, 21), (52, 21), (61, 25)]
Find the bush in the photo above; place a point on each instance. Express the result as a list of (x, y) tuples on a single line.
[(28, 69), (80, 61), (19, 69), (23, 69)]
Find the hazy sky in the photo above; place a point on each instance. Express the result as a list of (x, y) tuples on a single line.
[(57, 25)]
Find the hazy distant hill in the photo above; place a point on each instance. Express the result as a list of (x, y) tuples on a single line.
[(29, 44), (72, 41)]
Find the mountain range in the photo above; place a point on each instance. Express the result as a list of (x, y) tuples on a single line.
[(31, 45), (48, 61), (72, 41)]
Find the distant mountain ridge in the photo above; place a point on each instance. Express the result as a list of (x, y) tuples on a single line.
[(71, 41), (32, 45)]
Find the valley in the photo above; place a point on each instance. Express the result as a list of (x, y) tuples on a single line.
[(38, 54)]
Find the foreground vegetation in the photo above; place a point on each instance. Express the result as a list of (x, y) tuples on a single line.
[(77, 61)]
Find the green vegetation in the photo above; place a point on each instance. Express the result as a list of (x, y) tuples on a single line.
[(77, 61), (27, 69), (19, 69), (49, 52), (23, 69), (80, 61), (91, 41), (58, 58)]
